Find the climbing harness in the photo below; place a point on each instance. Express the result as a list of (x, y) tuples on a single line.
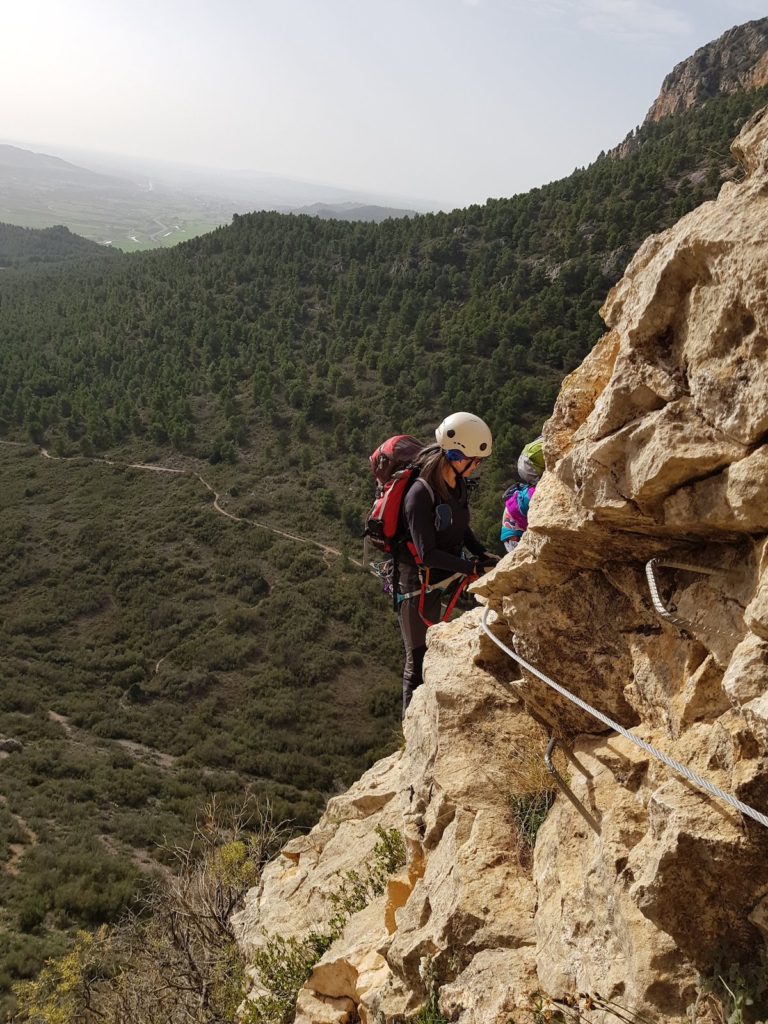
[(675, 766), (429, 588), (387, 572)]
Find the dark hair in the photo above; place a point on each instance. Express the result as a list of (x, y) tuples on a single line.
[(431, 461)]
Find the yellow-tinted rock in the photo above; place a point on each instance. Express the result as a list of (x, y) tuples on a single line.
[(638, 881)]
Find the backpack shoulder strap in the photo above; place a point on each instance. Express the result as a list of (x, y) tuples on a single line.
[(423, 482), (410, 547)]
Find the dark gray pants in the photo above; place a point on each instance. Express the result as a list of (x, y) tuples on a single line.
[(414, 632)]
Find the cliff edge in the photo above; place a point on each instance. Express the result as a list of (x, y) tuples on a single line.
[(737, 60), (624, 893)]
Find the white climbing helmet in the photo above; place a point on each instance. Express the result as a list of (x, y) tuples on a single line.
[(465, 433)]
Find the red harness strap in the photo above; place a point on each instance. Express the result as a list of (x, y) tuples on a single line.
[(451, 604), (425, 587)]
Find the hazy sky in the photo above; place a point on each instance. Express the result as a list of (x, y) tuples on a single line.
[(455, 100)]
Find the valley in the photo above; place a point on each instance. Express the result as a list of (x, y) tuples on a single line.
[(133, 690), (184, 442)]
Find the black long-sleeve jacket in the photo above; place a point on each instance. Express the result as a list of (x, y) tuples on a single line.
[(440, 550)]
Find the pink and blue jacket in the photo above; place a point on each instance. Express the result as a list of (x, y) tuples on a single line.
[(514, 521)]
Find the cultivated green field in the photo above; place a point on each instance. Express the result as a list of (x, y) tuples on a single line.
[(130, 231)]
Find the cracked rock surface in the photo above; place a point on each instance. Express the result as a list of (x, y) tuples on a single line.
[(638, 883)]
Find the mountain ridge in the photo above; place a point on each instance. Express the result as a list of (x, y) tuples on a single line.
[(30, 161), (738, 59), (136, 209), (352, 211)]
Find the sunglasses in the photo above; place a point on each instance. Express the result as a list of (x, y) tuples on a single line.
[(454, 455)]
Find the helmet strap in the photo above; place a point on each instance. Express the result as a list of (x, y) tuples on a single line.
[(460, 473)]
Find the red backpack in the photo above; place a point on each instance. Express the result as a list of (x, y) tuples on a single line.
[(395, 454), (391, 466)]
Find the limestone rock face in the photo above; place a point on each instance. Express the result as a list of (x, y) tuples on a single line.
[(737, 60), (465, 891), (637, 884)]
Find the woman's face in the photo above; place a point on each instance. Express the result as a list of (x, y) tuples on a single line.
[(465, 467)]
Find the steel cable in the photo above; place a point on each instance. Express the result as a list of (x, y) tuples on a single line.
[(680, 769)]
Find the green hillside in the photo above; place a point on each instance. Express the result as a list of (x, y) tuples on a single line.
[(154, 654), (295, 339), (157, 651), (28, 246)]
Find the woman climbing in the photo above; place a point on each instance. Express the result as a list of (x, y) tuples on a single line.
[(517, 499), (436, 527)]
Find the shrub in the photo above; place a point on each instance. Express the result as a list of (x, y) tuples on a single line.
[(174, 958), (734, 993), (284, 964), (31, 915), (532, 793), (430, 1010), (529, 811)]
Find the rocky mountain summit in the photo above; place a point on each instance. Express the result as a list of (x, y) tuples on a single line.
[(638, 892), (737, 60)]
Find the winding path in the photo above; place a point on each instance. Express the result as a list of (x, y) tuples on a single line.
[(326, 549), (17, 850), (176, 649)]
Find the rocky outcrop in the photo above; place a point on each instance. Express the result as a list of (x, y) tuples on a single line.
[(737, 60), (638, 884), (465, 901)]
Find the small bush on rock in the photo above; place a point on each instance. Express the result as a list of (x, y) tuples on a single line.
[(284, 964)]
